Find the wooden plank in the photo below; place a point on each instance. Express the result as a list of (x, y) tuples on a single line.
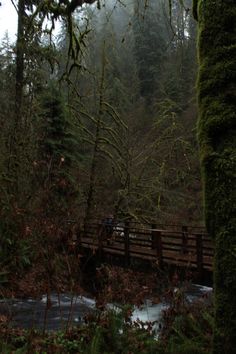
[(199, 246), (127, 244), (168, 246)]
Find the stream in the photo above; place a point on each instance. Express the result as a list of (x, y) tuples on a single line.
[(67, 309)]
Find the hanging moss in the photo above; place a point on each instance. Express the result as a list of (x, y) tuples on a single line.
[(217, 140)]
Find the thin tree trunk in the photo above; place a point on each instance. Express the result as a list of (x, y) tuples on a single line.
[(19, 62), (14, 162), (93, 169), (217, 139)]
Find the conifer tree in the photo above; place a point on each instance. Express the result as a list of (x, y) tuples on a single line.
[(58, 151), (149, 46)]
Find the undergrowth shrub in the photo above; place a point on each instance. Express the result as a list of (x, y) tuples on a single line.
[(104, 332), (187, 327)]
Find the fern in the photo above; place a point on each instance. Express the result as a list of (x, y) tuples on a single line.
[(96, 343)]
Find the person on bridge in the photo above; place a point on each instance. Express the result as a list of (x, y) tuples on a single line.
[(108, 224)]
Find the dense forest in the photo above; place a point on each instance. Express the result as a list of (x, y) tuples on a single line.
[(98, 117), (109, 128)]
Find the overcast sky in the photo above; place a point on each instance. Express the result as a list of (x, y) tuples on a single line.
[(8, 19)]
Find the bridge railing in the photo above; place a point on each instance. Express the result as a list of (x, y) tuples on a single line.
[(189, 247)]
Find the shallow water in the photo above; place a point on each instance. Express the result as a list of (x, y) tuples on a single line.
[(68, 309), (57, 314), (152, 312)]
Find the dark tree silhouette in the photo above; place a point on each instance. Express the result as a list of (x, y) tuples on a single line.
[(217, 139)]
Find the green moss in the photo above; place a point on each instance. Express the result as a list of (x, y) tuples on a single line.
[(217, 140)]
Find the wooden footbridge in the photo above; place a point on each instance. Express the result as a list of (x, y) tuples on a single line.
[(183, 246)]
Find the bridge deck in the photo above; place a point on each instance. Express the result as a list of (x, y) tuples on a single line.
[(187, 248)]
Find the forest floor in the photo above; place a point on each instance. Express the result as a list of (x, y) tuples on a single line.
[(68, 274)]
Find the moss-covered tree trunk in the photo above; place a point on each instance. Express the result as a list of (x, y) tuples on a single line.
[(217, 140)]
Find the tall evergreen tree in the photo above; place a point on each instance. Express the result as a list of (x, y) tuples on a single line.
[(149, 46), (58, 153)]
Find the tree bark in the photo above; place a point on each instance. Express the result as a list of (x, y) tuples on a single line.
[(94, 163), (19, 62), (14, 153), (217, 140)]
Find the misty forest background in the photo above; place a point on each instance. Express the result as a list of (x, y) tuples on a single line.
[(106, 123), (99, 118)]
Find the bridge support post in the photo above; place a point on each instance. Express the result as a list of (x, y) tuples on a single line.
[(100, 241), (184, 239), (199, 246), (127, 244), (157, 243), (79, 238), (154, 226)]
